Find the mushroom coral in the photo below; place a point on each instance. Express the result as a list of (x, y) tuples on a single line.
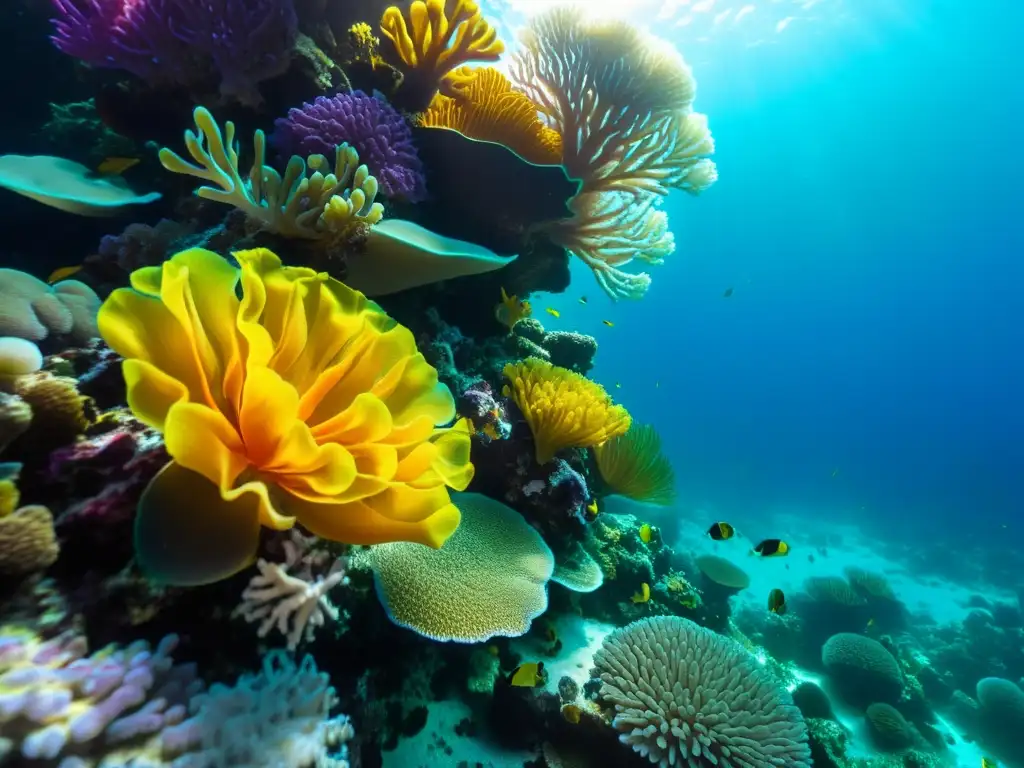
[(562, 408), (488, 108), (300, 401), (438, 37)]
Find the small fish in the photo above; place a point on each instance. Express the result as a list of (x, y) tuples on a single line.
[(115, 166), (491, 432), (550, 634), (618, 385), (721, 531), (643, 595), (771, 548), (511, 310), (609, 323), (493, 650), (645, 533), (777, 602), (592, 507), (571, 713), (583, 299), (552, 311), (657, 384), (63, 273), (528, 675), (871, 623), (835, 471), (988, 762), (727, 293)]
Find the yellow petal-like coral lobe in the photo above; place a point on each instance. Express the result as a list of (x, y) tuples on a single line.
[(563, 408), (300, 401)]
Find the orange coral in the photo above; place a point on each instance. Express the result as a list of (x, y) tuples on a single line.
[(488, 108), (563, 408), (300, 401), (437, 37)]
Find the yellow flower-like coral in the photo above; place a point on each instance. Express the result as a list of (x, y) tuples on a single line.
[(437, 37), (563, 408), (488, 108), (300, 401), (634, 466)]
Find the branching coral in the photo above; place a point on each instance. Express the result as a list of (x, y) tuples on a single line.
[(489, 109), (633, 465), (434, 39), (563, 408), (684, 695), (287, 596), (621, 102), (368, 124), (296, 205), (300, 401)]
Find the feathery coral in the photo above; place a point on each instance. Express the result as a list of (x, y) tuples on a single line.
[(634, 466), (295, 205), (490, 110), (490, 578), (438, 37), (563, 408), (300, 401), (621, 102), (684, 695)]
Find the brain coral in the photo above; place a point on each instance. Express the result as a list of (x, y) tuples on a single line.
[(1001, 720), (490, 578), (684, 695), (888, 727), (377, 131), (862, 668), (31, 309)]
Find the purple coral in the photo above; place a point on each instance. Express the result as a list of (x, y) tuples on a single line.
[(179, 42), (373, 127)]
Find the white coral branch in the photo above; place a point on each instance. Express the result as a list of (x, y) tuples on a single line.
[(296, 606)]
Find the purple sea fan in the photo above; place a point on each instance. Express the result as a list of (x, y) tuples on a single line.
[(182, 42), (376, 129)]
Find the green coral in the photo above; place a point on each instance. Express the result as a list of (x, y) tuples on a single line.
[(299, 204)]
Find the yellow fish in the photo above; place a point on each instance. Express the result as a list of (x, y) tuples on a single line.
[(592, 507), (528, 675), (511, 310), (553, 312), (777, 602), (491, 432), (63, 273), (572, 713), (115, 166), (609, 323), (643, 595), (645, 533)]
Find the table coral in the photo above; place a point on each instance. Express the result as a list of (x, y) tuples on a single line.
[(337, 429)]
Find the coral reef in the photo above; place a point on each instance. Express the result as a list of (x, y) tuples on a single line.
[(863, 669)]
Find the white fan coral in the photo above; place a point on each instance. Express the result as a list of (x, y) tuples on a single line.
[(684, 695)]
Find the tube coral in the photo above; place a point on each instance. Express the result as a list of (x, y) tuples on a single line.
[(300, 401), (562, 408)]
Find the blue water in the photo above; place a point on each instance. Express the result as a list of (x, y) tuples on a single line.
[(868, 218)]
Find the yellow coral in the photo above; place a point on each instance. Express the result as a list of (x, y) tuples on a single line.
[(300, 401), (634, 466), (58, 412), (489, 109), (563, 408), (27, 541), (424, 43)]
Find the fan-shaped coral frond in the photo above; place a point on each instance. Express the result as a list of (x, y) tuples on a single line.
[(433, 39), (634, 466), (300, 401), (489, 109), (562, 408)]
